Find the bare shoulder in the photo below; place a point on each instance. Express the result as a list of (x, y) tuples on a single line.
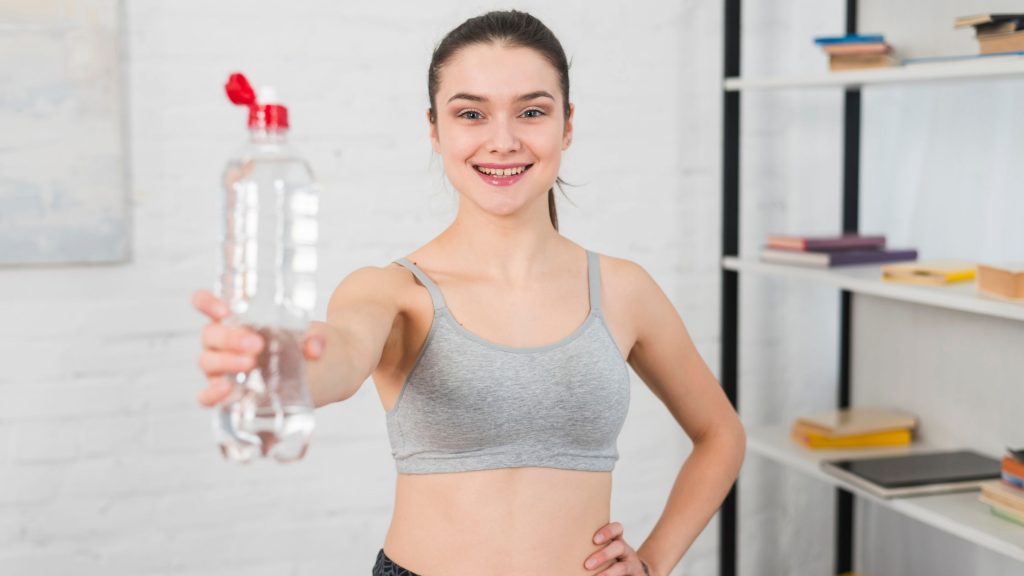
[(624, 280), (385, 286), (628, 293)]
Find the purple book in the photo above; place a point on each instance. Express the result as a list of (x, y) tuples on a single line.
[(837, 258), (826, 243)]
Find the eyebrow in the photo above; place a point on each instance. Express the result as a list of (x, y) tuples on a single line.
[(524, 97)]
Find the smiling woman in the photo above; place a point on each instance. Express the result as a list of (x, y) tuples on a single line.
[(501, 349), (486, 63)]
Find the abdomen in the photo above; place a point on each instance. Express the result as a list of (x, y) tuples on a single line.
[(502, 522)]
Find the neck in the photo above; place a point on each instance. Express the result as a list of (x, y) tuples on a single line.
[(511, 249)]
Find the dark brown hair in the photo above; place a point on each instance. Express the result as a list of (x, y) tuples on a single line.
[(510, 28)]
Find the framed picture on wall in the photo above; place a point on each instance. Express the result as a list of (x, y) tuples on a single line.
[(63, 154)]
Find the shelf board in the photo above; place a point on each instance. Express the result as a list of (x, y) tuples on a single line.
[(958, 513), (985, 67), (961, 296)]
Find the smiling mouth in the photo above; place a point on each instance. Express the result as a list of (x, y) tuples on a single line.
[(502, 172)]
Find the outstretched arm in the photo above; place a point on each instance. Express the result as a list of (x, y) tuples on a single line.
[(360, 315)]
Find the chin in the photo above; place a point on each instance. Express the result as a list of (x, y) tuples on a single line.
[(503, 202)]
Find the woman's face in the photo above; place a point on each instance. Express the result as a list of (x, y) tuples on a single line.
[(500, 109)]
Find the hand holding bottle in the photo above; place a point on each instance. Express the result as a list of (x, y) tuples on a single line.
[(231, 349)]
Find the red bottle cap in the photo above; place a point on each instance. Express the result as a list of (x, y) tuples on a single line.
[(268, 114)]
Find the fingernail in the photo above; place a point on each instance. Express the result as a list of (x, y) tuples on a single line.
[(591, 563), (317, 346), (599, 539)]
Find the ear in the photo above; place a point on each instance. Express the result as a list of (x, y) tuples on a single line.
[(567, 133), (434, 143)]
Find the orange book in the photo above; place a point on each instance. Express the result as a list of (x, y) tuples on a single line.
[(1006, 281), (1013, 466), (998, 43), (858, 48), (839, 62)]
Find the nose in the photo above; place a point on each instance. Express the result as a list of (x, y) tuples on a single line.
[(503, 136)]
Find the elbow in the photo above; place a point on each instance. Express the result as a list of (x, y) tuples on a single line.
[(738, 442), (728, 438)]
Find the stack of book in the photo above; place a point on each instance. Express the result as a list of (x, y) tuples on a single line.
[(931, 272), (1005, 496), (1002, 281), (832, 250), (996, 33), (854, 428), (856, 51)]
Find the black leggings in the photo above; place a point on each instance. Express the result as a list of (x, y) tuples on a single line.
[(387, 567)]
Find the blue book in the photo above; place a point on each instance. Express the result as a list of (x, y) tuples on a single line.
[(850, 39), (1013, 479)]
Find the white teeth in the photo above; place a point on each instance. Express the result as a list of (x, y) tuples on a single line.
[(502, 172)]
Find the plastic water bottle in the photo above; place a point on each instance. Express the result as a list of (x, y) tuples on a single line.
[(268, 282)]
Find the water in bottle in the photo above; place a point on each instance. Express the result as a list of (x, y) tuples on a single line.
[(267, 280)]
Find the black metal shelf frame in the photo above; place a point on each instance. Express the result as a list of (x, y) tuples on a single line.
[(728, 545)]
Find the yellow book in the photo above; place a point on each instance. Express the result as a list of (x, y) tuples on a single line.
[(886, 438), (935, 272)]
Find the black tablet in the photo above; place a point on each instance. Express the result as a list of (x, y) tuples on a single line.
[(928, 473)]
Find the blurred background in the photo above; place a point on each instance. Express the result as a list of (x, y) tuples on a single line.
[(115, 133)]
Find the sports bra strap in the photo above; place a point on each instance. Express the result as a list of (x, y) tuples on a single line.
[(435, 293), (594, 280)]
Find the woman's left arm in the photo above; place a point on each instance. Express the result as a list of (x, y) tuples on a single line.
[(666, 359)]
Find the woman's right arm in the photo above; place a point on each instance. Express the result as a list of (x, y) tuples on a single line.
[(340, 353), (360, 315)]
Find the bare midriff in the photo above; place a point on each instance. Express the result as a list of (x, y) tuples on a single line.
[(500, 522)]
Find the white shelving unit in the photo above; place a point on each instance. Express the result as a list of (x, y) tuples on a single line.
[(958, 513), (962, 296)]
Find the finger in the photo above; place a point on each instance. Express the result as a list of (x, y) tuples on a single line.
[(314, 346), (231, 339), (208, 303), (608, 532), (613, 550), (619, 569), (218, 389), (216, 364)]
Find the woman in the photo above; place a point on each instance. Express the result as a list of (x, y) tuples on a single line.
[(502, 407)]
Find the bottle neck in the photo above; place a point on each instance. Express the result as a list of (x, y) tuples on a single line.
[(268, 136)]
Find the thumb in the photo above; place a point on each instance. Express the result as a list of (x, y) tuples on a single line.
[(314, 346)]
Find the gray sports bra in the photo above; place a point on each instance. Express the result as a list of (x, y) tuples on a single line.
[(472, 404)]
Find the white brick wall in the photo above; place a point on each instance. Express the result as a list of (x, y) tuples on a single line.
[(107, 465)]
